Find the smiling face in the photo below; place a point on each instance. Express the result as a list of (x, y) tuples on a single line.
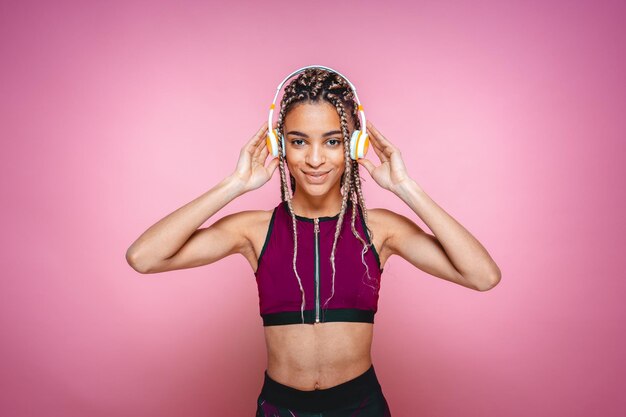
[(314, 147)]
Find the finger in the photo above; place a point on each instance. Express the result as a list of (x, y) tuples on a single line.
[(370, 126), (377, 138), (262, 129), (261, 153), (259, 149), (260, 134), (259, 137), (383, 145), (367, 164), (378, 150), (381, 138), (272, 166), (374, 141), (253, 149)]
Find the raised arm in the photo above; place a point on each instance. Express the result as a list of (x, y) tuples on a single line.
[(452, 253), (175, 242)]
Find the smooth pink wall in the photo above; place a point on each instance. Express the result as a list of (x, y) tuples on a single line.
[(114, 114)]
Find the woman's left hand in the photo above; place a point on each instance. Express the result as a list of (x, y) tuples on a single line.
[(391, 174)]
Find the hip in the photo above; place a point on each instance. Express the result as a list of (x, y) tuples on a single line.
[(361, 396)]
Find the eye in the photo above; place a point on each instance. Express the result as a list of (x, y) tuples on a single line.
[(293, 142), (337, 142)]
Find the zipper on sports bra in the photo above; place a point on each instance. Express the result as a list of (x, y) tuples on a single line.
[(316, 229)]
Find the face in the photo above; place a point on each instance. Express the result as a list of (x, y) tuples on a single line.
[(314, 147)]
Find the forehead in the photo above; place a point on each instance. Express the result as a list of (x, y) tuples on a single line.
[(312, 117)]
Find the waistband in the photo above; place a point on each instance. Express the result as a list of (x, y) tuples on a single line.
[(341, 395)]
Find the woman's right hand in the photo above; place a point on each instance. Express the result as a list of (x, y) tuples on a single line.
[(251, 172)]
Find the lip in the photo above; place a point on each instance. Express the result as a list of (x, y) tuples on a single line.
[(316, 179)]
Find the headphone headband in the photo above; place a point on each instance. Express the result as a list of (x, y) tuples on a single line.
[(356, 97)]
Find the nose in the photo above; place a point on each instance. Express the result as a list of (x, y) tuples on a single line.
[(315, 156)]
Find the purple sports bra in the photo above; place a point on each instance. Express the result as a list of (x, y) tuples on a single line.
[(355, 298)]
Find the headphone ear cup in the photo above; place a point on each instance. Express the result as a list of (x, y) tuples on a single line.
[(359, 143), (366, 144), (282, 142), (272, 143), (353, 141), (268, 144)]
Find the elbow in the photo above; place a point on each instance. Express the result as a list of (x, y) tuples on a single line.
[(136, 263), (491, 282)]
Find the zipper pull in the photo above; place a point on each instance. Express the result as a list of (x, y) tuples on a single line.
[(316, 227)]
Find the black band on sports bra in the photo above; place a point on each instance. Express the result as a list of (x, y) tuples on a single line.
[(334, 314)]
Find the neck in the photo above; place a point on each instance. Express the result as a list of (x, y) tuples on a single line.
[(316, 206)]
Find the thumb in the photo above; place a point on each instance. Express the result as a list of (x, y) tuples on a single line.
[(367, 164), (273, 165)]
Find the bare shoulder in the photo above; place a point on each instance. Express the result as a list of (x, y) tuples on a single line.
[(385, 224), (391, 222), (248, 224), (376, 219), (249, 218), (381, 220), (388, 216)]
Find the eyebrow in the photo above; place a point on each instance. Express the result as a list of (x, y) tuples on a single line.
[(295, 132)]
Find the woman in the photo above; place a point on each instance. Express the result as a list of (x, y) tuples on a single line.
[(318, 275)]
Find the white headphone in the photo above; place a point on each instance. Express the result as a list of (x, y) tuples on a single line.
[(359, 142)]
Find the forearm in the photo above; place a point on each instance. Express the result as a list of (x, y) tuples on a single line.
[(465, 252), (168, 235)]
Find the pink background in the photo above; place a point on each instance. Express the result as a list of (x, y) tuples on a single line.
[(509, 114)]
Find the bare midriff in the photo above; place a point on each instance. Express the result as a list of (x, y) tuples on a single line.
[(318, 356)]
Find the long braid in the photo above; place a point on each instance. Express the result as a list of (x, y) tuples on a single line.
[(346, 182), (317, 85), (356, 181), (361, 200), (287, 197)]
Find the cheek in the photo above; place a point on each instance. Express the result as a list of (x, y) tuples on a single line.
[(339, 159)]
